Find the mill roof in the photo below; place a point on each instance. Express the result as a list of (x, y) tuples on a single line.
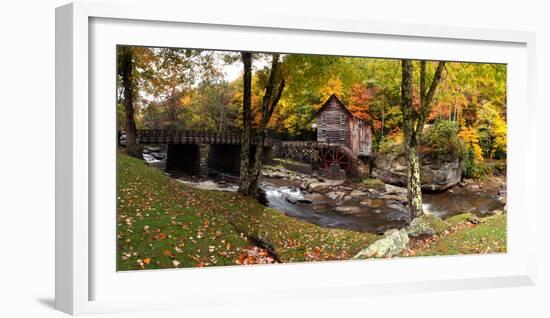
[(333, 97)]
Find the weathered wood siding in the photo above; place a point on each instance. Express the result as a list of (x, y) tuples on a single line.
[(333, 124), (361, 137)]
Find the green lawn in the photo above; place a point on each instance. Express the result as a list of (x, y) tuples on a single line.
[(164, 224), (487, 237)]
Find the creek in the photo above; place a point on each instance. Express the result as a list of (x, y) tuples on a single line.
[(371, 212), (359, 209)]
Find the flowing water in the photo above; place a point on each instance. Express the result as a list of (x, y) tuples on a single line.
[(372, 214), (376, 218), (368, 213)]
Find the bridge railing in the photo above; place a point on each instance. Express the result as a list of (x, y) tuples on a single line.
[(309, 144), (173, 136)]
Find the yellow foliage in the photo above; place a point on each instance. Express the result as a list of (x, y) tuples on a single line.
[(471, 139), (333, 86), (186, 100), (499, 132)]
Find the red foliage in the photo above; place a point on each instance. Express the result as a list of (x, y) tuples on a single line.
[(360, 99)]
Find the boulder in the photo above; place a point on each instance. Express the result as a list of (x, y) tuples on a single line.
[(400, 198), (158, 155), (304, 185), (391, 189), (373, 203), (393, 242), (347, 209), (324, 185), (436, 174), (357, 193), (277, 175), (317, 187), (152, 148), (420, 227), (314, 197), (336, 195), (373, 191)]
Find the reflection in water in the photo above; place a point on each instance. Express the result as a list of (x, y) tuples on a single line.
[(447, 204)]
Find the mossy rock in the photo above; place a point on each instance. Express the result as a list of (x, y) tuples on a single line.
[(426, 225), (392, 244), (464, 218), (373, 183), (436, 223)]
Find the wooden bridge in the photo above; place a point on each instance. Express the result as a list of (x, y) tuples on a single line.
[(202, 152)]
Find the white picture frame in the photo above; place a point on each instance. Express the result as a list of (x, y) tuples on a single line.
[(85, 280)]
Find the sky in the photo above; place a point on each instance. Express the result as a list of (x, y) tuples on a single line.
[(234, 70)]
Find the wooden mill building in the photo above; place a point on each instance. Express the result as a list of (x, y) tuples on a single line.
[(337, 125)]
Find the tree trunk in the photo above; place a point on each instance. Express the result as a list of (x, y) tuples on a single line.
[(244, 182), (410, 129), (414, 189), (132, 147), (269, 103), (413, 123), (257, 166)]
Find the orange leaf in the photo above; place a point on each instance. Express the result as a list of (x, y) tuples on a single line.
[(167, 253)]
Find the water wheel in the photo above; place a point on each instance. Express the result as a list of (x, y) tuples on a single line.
[(338, 155)]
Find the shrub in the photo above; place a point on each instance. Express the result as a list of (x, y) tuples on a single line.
[(473, 168), (391, 144), (441, 139), (468, 163)]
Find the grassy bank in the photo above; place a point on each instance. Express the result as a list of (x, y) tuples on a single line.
[(489, 236), (462, 234), (164, 224)]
